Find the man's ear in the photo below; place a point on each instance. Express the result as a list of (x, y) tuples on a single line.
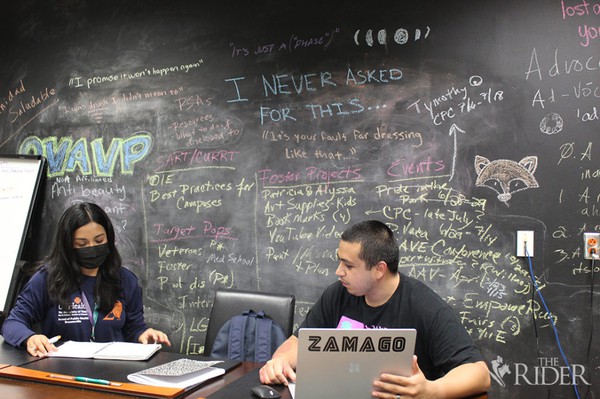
[(382, 268)]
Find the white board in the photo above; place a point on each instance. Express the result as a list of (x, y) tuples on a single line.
[(20, 178)]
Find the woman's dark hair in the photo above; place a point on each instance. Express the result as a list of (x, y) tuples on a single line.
[(377, 243), (63, 272)]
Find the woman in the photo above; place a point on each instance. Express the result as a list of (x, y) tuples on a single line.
[(81, 293)]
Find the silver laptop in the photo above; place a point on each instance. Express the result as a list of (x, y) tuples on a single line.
[(339, 363)]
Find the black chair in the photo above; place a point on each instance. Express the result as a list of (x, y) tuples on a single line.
[(229, 303)]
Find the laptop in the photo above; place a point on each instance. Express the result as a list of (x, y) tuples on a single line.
[(342, 363)]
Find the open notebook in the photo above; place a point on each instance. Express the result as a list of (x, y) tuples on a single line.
[(106, 350)]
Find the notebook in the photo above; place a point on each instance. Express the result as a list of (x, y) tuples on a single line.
[(340, 363), (180, 373), (106, 350)]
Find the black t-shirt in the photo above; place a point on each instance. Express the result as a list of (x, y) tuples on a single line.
[(442, 341)]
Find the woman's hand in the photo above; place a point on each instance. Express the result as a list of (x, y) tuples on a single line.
[(39, 345), (152, 336)]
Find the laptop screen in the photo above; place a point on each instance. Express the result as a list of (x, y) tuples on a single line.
[(344, 363)]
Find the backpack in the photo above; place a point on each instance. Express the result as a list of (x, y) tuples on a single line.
[(251, 336)]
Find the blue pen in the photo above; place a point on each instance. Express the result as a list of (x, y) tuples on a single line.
[(85, 379)]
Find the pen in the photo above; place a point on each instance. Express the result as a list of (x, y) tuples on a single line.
[(85, 379), (54, 340)]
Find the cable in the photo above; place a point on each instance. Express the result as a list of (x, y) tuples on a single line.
[(533, 319), (535, 328), (537, 288), (589, 348)]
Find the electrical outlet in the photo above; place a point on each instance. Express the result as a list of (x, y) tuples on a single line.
[(524, 239), (591, 244)]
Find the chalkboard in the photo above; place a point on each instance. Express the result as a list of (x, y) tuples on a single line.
[(20, 180), (232, 143)]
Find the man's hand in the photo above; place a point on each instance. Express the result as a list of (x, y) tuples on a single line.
[(280, 369), (415, 386), (462, 381), (277, 371)]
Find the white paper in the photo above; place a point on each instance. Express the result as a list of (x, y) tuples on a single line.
[(78, 349), (127, 351)]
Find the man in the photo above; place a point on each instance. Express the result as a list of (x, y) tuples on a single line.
[(372, 292)]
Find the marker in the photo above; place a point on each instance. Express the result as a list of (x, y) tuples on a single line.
[(54, 340), (85, 379)]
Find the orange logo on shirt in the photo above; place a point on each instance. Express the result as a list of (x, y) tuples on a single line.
[(115, 313), (77, 300)]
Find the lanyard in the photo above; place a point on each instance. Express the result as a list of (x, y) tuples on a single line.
[(93, 316)]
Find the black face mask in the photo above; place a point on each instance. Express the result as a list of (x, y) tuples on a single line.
[(92, 257)]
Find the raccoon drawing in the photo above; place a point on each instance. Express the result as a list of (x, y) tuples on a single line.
[(506, 177)]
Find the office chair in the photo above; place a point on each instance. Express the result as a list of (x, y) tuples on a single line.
[(229, 303)]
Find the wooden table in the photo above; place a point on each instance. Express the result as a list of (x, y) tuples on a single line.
[(19, 389)]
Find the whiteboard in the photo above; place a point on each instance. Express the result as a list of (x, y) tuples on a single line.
[(20, 177)]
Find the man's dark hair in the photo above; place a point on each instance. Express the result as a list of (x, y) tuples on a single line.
[(377, 243)]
